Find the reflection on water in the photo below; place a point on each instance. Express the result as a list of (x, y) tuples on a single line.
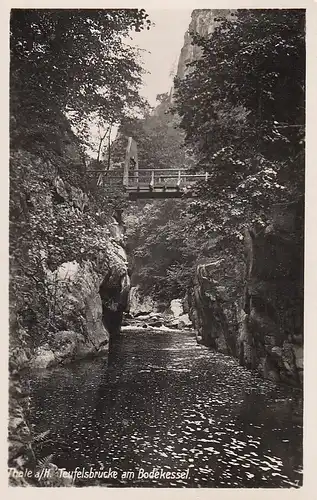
[(163, 401)]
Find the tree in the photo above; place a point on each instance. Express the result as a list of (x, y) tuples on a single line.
[(165, 248), (74, 62), (242, 109), (159, 140)]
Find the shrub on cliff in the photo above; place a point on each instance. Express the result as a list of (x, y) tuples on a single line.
[(242, 109)]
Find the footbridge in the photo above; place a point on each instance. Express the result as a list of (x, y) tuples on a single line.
[(145, 183)]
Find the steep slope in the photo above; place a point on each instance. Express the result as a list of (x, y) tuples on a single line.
[(69, 280), (203, 22)]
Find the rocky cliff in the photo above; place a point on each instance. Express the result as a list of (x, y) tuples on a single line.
[(271, 335), (213, 304), (262, 324), (85, 297), (203, 22), (251, 307)]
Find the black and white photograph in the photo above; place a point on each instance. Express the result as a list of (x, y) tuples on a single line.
[(156, 247)]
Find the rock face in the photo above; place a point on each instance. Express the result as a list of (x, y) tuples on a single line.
[(91, 297), (213, 306), (262, 325), (203, 22), (86, 296), (92, 300), (271, 336)]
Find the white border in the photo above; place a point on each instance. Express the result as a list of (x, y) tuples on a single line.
[(310, 348)]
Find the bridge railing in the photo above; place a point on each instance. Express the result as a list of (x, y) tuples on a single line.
[(163, 178), (151, 179), (130, 177), (104, 177)]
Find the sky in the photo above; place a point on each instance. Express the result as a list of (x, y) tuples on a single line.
[(163, 44)]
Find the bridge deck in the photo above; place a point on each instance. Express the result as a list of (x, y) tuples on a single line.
[(144, 192)]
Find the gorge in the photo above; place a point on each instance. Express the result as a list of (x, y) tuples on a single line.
[(161, 332)]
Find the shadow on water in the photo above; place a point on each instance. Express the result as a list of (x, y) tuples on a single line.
[(160, 400), (108, 391)]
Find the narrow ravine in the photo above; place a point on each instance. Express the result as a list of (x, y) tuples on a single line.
[(156, 241), (162, 401)]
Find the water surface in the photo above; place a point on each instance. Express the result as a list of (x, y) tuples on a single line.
[(163, 401)]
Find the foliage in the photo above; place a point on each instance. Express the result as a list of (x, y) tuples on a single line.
[(166, 248), (160, 142), (241, 111), (242, 108), (74, 61)]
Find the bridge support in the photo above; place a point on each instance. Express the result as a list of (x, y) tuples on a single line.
[(131, 156)]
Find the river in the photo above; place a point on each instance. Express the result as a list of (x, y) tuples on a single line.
[(162, 401)]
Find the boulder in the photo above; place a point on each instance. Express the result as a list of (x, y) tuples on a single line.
[(140, 305), (65, 347), (176, 307), (156, 323), (184, 321), (299, 356)]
